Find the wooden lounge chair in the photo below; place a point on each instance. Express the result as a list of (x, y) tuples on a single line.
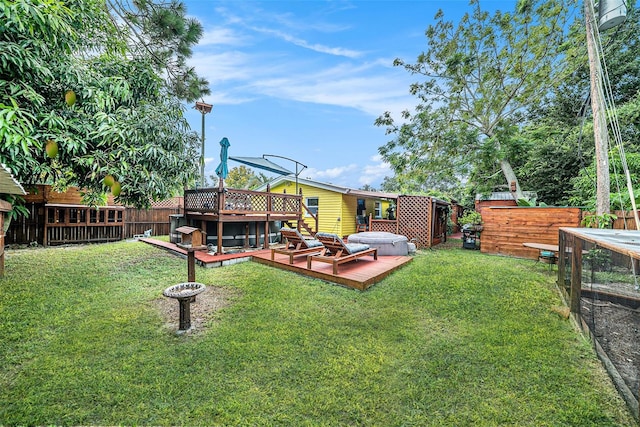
[(340, 252), (297, 245)]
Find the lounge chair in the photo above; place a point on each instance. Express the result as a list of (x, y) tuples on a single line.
[(297, 245), (340, 252)]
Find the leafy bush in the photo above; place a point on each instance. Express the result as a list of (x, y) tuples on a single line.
[(470, 217)]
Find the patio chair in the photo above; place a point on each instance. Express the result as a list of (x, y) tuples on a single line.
[(297, 245), (339, 251), (362, 223)]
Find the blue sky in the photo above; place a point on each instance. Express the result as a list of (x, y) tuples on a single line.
[(307, 79)]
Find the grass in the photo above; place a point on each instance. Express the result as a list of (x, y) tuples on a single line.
[(455, 338)]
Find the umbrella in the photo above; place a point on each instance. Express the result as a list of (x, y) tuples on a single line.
[(222, 170), (262, 163)]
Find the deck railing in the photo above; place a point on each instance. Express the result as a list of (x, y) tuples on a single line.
[(232, 201)]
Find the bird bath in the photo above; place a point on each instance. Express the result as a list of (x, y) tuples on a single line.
[(184, 293)]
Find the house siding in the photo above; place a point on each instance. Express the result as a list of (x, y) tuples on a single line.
[(349, 208), (329, 205), (336, 210)]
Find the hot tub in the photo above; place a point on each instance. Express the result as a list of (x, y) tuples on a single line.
[(386, 243)]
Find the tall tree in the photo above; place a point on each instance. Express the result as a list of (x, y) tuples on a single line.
[(244, 178), (560, 129), (76, 108), (162, 32), (480, 75)]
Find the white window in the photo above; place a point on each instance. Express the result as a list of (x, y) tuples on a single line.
[(378, 210), (312, 204)]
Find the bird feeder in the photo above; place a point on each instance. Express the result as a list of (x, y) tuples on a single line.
[(192, 238)]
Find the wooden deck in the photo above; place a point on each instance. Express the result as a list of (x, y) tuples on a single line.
[(359, 274), (204, 258)]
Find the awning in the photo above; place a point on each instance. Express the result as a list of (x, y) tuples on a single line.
[(262, 163), (8, 184)]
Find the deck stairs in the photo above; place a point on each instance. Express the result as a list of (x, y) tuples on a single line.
[(305, 228)]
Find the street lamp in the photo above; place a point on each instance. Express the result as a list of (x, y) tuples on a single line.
[(204, 108)]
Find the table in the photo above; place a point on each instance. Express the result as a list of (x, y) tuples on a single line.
[(542, 246), (547, 253)]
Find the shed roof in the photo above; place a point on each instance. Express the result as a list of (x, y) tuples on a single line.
[(504, 195), (8, 184)]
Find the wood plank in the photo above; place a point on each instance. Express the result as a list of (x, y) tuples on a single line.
[(360, 274), (506, 228)]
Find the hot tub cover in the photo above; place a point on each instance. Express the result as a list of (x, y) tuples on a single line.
[(387, 243)]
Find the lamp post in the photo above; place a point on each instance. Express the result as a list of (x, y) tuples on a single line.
[(204, 108)]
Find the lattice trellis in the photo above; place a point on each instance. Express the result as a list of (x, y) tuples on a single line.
[(240, 201), (236, 200), (283, 203), (414, 219), (201, 200), (389, 227)]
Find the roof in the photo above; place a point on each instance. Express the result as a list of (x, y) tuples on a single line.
[(330, 187), (8, 184), (505, 195)]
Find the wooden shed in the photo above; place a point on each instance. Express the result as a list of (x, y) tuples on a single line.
[(8, 185)]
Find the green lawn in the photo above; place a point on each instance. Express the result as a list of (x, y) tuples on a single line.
[(455, 338)]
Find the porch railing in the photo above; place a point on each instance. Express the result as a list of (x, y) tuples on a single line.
[(232, 201)]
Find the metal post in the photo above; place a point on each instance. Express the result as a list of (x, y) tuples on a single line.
[(295, 161), (204, 108), (202, 180)]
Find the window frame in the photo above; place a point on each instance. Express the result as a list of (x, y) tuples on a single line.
[(310, 207)]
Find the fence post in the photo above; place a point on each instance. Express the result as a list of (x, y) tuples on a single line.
[(576, 275)]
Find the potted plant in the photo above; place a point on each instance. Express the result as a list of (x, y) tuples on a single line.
[(471, 220)]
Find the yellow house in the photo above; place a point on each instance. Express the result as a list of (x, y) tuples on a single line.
[(336, 207)]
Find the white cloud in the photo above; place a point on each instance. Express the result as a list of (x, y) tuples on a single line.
[(317, 47), (329, 175), (352, 175), (221, 36), (371, 174), (258, 67), (363, 88)]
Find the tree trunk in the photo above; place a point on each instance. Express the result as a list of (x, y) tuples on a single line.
[(512, 180), (601, 136)]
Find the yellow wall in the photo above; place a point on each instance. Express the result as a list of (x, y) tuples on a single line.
[(331, 206), (349, 207)]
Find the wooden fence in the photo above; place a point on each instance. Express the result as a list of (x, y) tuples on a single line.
[(506, 228), (625, 220), (83, 229), (157, 220)]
